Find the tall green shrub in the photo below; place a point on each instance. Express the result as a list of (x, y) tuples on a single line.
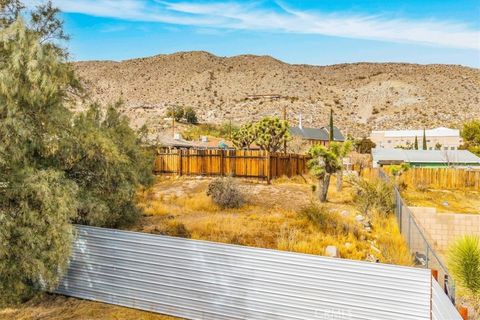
[(37, 201), (55, 168)]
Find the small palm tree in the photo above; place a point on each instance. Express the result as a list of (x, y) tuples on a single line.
[(464, 263), (323, 163)]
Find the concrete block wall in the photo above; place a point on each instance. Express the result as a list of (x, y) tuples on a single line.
[(444, 228)]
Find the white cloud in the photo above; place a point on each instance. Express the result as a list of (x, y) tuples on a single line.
[(236, 15)]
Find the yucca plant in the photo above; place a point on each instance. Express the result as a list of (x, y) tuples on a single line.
[(464, 264)]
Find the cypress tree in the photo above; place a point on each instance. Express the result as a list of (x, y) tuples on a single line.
[(415, 146), (331, 136), (424, 140)]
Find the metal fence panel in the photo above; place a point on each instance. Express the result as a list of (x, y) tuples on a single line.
[(442, 309), (423, 252), (204, 280)]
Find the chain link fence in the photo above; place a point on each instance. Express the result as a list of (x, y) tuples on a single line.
[(420, 247)]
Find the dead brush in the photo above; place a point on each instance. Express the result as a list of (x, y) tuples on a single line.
[(225, 193)]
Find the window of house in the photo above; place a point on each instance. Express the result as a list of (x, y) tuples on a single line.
[(452, 148), (445, 148)]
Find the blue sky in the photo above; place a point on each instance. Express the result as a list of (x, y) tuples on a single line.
[(313, 32)]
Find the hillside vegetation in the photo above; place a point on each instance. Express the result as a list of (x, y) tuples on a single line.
[(364, 96)]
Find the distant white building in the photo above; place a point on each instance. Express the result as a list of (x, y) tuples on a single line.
[(446, 138)]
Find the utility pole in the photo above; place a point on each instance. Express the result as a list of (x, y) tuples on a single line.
[(285, 119)]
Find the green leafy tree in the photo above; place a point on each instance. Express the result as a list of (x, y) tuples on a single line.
[(471, 136), (424, 144), (107, 162), (35, 231), (37, 201), (323, 163), (190, 115), (176, 112), (55, 168), (244, 136), (415, 145), (364, 145), (271, 133), (464, 264), (43, 20)]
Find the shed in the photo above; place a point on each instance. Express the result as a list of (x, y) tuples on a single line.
[(425, 158)]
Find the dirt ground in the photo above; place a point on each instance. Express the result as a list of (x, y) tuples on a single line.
[(448, 201), (54, 307), (271, 218)]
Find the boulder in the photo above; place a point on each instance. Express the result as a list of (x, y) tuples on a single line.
[(359, 218), (331, 251)]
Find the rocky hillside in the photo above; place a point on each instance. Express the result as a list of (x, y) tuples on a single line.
[(364, 96)]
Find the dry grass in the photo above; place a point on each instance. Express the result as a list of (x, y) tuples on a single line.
[(53, 307), (458, 201), (270, 219)]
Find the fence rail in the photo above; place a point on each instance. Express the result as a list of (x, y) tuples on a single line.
[(444, 178), (239, 163), (419, 244), (204, 280)]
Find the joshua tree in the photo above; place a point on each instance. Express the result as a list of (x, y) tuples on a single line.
[(244, 136), (464, 263), (323, 163), (271, 133)]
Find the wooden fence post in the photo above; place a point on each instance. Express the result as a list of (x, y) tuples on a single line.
[(180, 162), (222, 160), (268, 167)]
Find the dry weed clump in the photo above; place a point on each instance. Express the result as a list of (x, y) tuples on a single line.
[(374, 195), (225, 193)]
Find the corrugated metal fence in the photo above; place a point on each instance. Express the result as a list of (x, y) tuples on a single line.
[(442, 308), (204, 280)]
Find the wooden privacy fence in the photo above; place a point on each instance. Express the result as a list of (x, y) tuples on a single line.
[(238, 163), (444, 178)]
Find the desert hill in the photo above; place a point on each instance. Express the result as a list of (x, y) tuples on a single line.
[(364, 96)]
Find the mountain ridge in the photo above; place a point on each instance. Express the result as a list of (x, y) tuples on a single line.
[(363, 95)]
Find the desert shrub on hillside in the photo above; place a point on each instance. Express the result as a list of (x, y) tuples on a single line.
[(190, 115), (175, 112), (373, 195), (225, 193)]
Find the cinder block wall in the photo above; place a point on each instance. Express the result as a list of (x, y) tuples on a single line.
[(444, 228)]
